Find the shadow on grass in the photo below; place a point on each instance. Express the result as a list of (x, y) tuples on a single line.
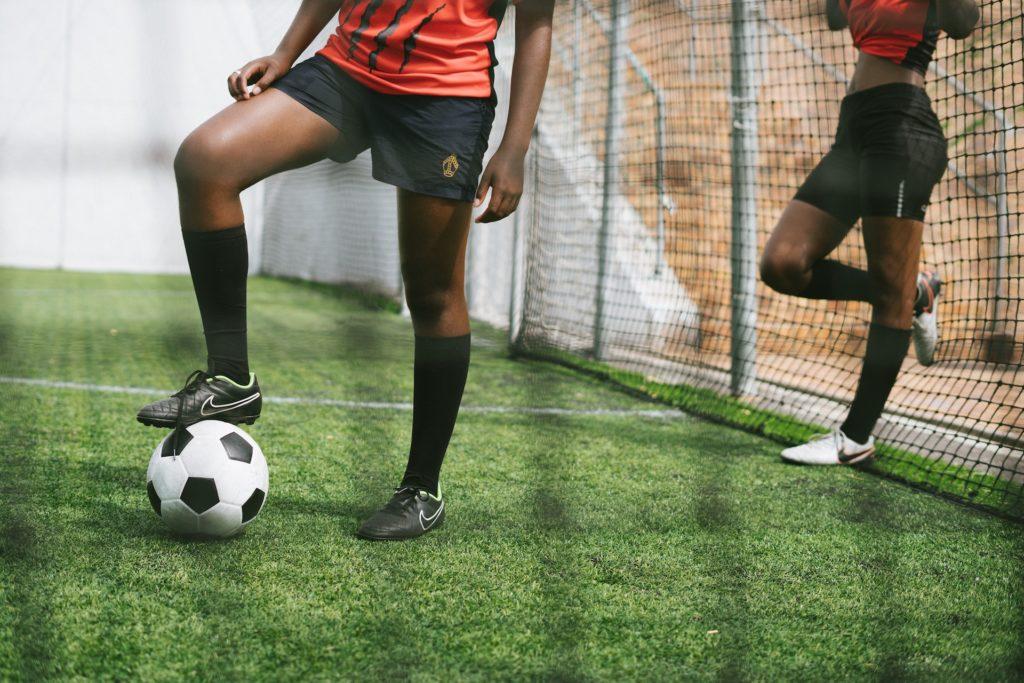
[(24, 557), (713, 508), (560, 553), (879, 561), (365, 298)]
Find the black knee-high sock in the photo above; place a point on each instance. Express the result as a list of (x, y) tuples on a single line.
[(219, 261), (887, 347), (837, 281), (439, 378)]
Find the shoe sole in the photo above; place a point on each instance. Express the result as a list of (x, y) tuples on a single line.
[(372, 537), (856, 460), (934, 310), (920, 357), (171, 424)]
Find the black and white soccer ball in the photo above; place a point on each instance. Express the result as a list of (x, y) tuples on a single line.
[(209, 480)]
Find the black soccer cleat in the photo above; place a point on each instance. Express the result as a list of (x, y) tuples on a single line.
[(206, 397), (411, 512)]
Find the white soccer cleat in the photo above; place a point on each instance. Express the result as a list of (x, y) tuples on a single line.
[(926, 326), (834, 448)]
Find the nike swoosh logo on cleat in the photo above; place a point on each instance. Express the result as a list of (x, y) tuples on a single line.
[(427, 522), (220, 409), (847, 458)]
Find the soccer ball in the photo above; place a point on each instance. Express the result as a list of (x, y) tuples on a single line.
[(209, 480)]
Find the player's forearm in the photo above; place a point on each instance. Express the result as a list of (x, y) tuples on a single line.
[(958, 17), (834, 15), (311, 18), (529, 71)]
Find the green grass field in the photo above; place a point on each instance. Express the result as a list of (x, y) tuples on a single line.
[(578, 546)]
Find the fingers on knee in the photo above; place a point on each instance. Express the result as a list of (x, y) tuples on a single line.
[(202, 157)]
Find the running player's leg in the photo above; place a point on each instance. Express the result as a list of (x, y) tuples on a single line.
[(903, 157), (246, 142), (894, 251)]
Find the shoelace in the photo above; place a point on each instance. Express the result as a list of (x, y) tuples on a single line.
[(820, 440), (399, 501), (192, 385)]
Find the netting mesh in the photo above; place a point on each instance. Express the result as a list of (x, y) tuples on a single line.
[(646, 176)]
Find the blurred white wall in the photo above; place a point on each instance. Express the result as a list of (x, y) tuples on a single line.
[(96, 96)]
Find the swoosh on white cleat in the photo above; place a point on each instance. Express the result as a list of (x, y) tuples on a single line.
[(220, 409), (427, 522)]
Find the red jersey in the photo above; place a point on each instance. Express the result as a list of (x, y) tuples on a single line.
[(902, 31), (418, 47)]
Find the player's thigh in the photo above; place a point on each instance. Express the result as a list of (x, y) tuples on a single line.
[(432, 235), (805, 234), (256, 138), (901, 164), (821, 214)]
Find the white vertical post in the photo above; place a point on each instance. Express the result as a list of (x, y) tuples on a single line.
[(577, 74), (517, 293), (745, 81), (513, 295), (618, 49), (65, 153)]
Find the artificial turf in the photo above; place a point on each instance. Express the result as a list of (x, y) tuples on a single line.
[(577, 546)]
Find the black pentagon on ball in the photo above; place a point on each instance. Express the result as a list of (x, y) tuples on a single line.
[(251, 507), (236, 447), (200, 494), (154, 499), (175, 442)]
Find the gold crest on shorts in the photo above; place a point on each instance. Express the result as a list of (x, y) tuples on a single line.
[(450, 166)]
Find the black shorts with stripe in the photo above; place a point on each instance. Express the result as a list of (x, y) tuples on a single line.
[(426, 144), (888, 155)]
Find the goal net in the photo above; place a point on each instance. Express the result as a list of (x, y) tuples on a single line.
[(689, 125)]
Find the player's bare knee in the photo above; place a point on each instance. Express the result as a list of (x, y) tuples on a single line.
[(894, 301), (429, 304), (783, 271), (202, 158)]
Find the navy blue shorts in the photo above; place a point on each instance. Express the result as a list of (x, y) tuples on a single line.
[(422, 143), (888, 155)]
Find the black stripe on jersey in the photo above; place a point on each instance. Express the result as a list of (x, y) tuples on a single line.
[(382, 38), (364, 23), (351, 9), (497, 12), (410, 42), (920, 56)]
